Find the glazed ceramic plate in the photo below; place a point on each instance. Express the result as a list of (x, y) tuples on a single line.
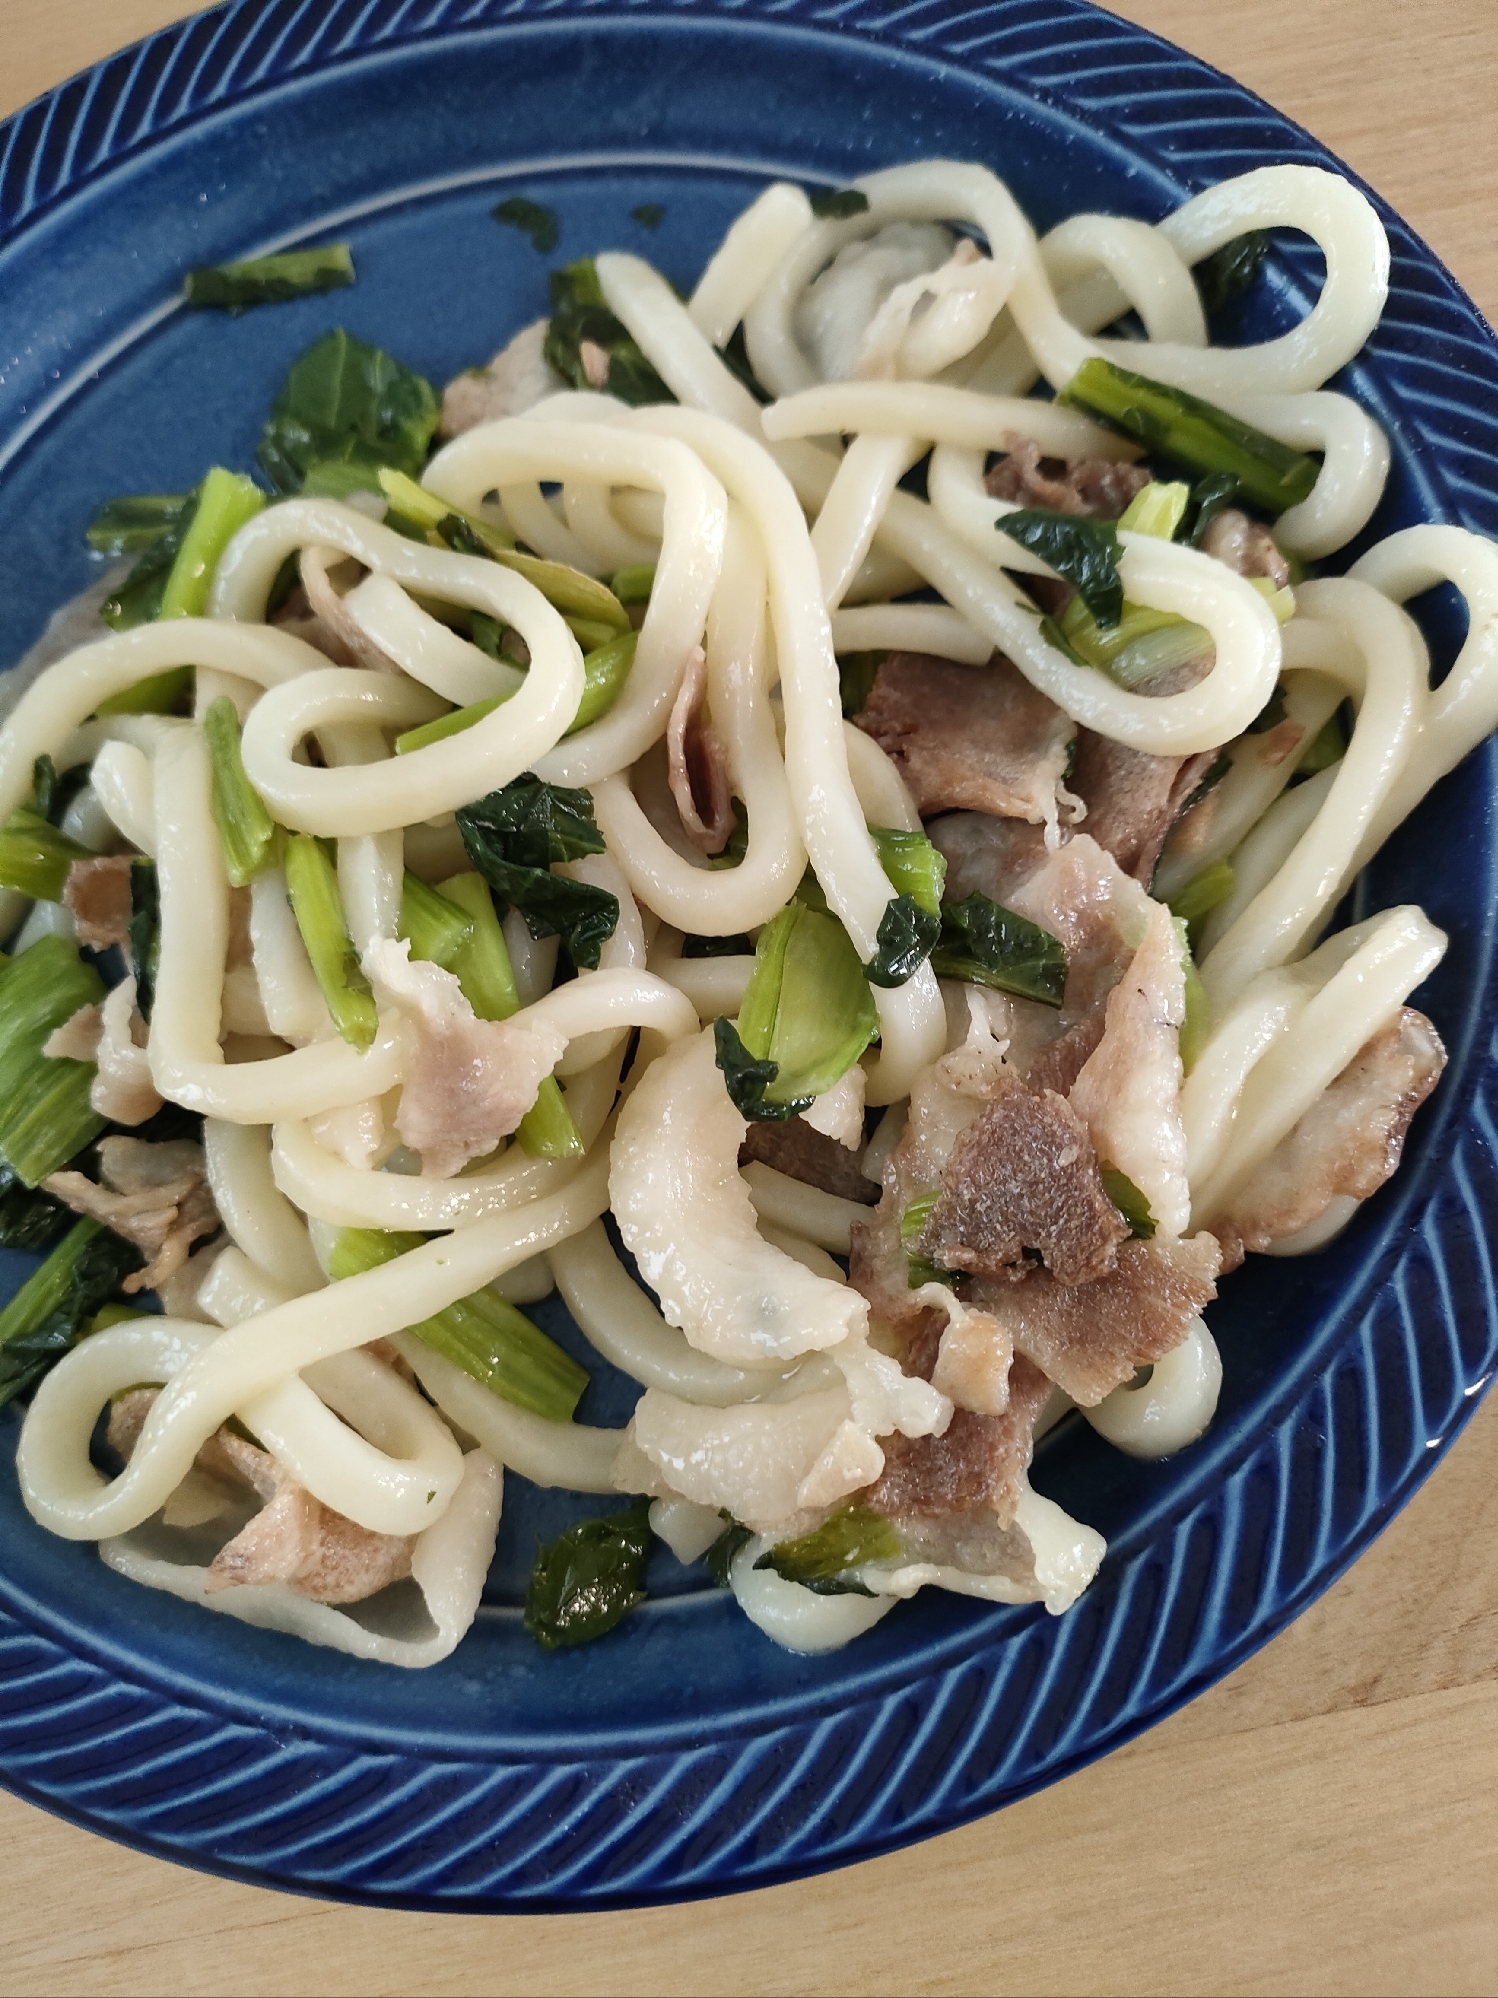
[(685, 1754)]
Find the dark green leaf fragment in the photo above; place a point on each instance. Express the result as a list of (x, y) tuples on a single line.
[(578, 314), (1211, 777), (1129, 1201), (649, 214), (43, 785), (1271, 714), (351, 404), (588, 1578), (735, 357), (991, 945), (1083, 550), (514, 836), (837, 204), (1209, 496), (145, 932), (531, 219), (29, 1218), (748, 1080), (1230, 271), (120, 531), (270, 280), (719, 1557), (855, 672), (852, 1535), (45, 1317), (135, 521), (907, 935)]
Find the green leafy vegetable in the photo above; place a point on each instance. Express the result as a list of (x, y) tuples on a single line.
[(913, 864), (850, 1537), (1229, 272), (649, 214), (45, 1114), (312, 885), (29, 1218), (547, 1130), (1156, 509), (807, 1013), (588, 1578), (579, 315), (1129, 1201), (1327, 747), (1194, 1028), (1083, 550), (270, 280), (1144, 644), (349, 403), (1271, 714), (454, 722), (246, 830), (532, 220), (514, 836), (45, 1317), (145, 932), (605, 670), (991, 945), (436, 928), (907, 934), (633, 584), (226, 500), (735, 357), (1207, 888), (166, 693), (1208, 498), (35, 856), (44, 787), (837, 204), (1172, 424), (135, 522), (719, 1557), (483, 1334), (856, 672), (748, 1081), (920, 1269)]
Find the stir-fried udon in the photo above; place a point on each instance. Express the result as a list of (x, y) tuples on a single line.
[(769, 827)]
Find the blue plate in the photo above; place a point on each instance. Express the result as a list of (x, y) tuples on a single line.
[(685, 1754)]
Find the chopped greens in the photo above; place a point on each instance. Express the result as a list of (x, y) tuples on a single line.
[(145, 932), (1143, 644), (435, 928), (454, 722), (547, 1130), (920, 1269), (633, 583), (126, 526), (1178, 426), (852, 1535), (856, 672), (1229, 272), (605, 670), (312, 885), (991, 945), (35, 856), (349, 403), (271, 280), (1129, 1201), (838, 204), (1156, 509), (45, 1113), (1193, 1035), (1204, 892), (1083, 550), (135, 522), (588, 1578), (649, 214), (1209, 496), (748, 1081), (531, 219), (246, 830), (166, 693), (29, 1218), (807, 1013), (907, 935), (483, 1334), (514, 836), (913, 865), (46, 1316), (719, 1557), (579, 316), (226, 500), (1327, 747)]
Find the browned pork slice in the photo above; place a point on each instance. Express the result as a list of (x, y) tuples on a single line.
[(154, 1195), (293, 1538), (97, 896), (978, 738), (1100, 487), (978, 1461), (791, 1146), (697, 763), (1133, 799), (1089, 1338), (1245, 546), (1348, 1142), (1024, 1176)]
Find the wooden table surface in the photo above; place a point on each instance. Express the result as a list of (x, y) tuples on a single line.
[(1326, 1820)]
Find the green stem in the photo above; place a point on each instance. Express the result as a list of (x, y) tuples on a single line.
[(317, 905), (246, 830), (226, 501)]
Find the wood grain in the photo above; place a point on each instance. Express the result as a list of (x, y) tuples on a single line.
[(1324, 1821)]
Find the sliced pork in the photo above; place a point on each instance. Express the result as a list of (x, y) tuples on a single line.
[(791, 1145), (697, 763), (516, 379), (975, 738), (1099, 487), (154, 1195), (980, 1460), (1348, 1143), (1245, 546), (96, 895), (1133, 799)]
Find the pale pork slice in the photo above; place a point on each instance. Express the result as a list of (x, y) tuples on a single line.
[(976, 738), (518, 377), (697, 763), (1348, 1142), (154, 1195)]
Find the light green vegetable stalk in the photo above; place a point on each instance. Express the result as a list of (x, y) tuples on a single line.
[(854, 1534), (481, 965), (45, 1113), (1208, 887), (605, 671), (452, 723), (35, 856), (483, 1334), (1157, 509), (312, 884), (920, 1269), (808, 1007), (913, 865), (1198, 1021), (632, 585), (436, 928), (226, 501), (246, 830), (1142, 645)]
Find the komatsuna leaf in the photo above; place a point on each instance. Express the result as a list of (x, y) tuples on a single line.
[(991, 945), (808, 1007), (347, 402), (588, 1578), (838, 204), (537, 822), (1084, 551), (514, 836), (274, 280), (578, 314), (907, 935), (1230, 271), (531, 219), (820, 1560), (45, 1317), (1129, 1201), (748, 1079)]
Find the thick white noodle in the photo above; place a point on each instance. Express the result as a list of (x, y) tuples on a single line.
[(1257, 862), (934, 628), (938, 414), (1143, 263), (755, 243), (569, 1454), (821, 1217), (850, 514), (610, 544), (691, 558), (121, 777), (713, 984), (1174, 1405), (259, 1217), (1352, 477)]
